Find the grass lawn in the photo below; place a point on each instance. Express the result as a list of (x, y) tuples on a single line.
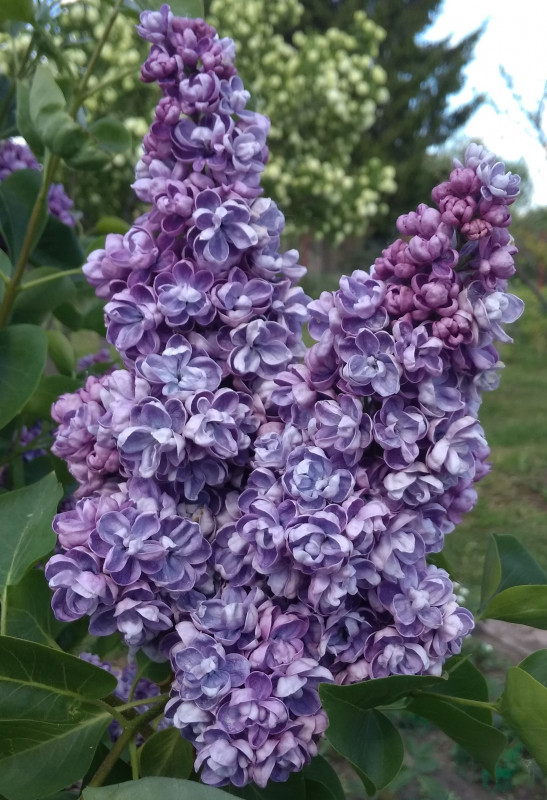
[(513, 498)]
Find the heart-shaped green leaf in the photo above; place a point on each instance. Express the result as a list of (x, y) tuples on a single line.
[(154, 788), (166, 753), (524, 706), (49, 722), (25, 533)]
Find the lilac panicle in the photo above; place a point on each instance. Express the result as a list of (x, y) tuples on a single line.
[(261, 519)]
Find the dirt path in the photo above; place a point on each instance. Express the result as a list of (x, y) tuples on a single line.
[(515, 642)]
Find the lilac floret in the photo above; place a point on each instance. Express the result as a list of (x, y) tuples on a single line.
[(79, 584), (369, 365)]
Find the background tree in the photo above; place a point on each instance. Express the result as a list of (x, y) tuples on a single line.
[(322, 89), (421, 77)]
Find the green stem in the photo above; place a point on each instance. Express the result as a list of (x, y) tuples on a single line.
[(133, 755), (4, 278), (462, 701), (12, 287), (57, 276), (119, 746), (4, 612), (148, 701)]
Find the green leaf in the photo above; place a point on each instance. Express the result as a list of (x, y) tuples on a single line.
[(536, 666), (59, 246), (111, 134), (525, 605), (484, 742), (379, 692), (69, 316), (187, 8), (18, 193), (110, 224), (166, 753), (508, 563), (35, 303), (366, 738), (17, 10), (154, 788), (26, 534), (524, 705), (24, 120), (48, 391), (322, 782), (155, 671), (29, 614), (48, 114), (6, 267), (61, 352), (7, 102), (465, 680), (23, 354), (49, 724), (93, 319)]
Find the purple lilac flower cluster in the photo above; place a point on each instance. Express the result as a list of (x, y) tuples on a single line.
[(261, 521), (14, 156)]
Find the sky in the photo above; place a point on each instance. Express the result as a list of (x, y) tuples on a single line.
[(515, 39)]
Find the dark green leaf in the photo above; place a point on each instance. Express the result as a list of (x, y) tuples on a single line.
[(508, 563), (18, 10), (29, 614), (59, 246), (111, 134), (24, 121), (18, 194), (121, 771), (166, 753), (47, 104), (69, 316), (23, 354), (49, 389), (525, 605), (484, 742), (379, 692), (440, 560), (61, 352), (35, 303), (6, 267), (25, 533), (88, 157), (156, 671), (154, 788), (524, 706), (49, 724), (322, 782), (9, 122), (536, 666), (465, 680), (366, 738), (93, 319)]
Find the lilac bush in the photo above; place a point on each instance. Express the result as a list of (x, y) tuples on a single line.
[(259, 515)]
